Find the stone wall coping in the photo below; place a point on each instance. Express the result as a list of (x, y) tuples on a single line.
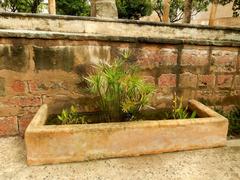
[(30, 34), (140, 23)]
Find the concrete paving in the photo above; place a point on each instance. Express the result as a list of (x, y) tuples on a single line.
[(218, 163)]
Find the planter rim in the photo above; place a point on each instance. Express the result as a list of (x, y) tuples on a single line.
[(39, 126), (50, 144)]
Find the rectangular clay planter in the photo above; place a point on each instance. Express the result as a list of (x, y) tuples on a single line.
[(49, 144)]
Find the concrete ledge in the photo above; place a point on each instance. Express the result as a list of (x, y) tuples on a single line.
[(233, 143), (120, 29), (126, 21), (81, 37), (69, 143)]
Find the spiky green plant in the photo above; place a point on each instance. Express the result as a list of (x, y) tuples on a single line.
[(71, 116), (119, 88), (234, 119), (180, 112)]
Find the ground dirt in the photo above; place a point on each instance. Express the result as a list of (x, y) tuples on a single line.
[(218, 163)]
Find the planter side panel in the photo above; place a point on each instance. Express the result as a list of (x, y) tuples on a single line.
[(81, 144)]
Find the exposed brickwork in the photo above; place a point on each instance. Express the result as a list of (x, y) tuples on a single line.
[(25, 101), (18, 86), (224, 81), (194, 57), (53, 58), (205, 95), (23, 122), (14, 57), (45, 86), (224, 60), (155, 57), (237, 82), (167, 80), (206, 81), (149, 79), (7, 109), (50, 72), (188, 80), (8, 126)]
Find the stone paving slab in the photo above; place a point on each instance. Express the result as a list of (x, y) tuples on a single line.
[(219, 163)]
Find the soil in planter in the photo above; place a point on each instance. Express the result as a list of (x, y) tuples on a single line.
[(95, 117)]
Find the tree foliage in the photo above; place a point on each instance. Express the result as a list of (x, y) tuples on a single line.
[(128, 9), (177, 8), (73, 7), (28, 6)]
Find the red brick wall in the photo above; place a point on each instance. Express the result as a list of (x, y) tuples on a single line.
[(37, 71)]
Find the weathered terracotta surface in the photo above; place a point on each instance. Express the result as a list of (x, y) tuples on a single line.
[(44, 59), (70, 143)]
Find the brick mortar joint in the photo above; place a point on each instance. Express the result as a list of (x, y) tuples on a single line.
[(178, 68), (238, 62)]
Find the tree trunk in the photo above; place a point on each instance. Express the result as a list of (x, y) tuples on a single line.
[(213, 12), (52, 7), (187, 11), (166, 9), (93, 8)]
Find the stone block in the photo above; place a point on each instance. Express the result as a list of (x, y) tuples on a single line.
[(209, 97), (14, 57), (194, 57), (19, 86), (155, 57), (52, 87), (224, 81), (8, 126), (237, 82), (187, 93), (89, 54), (195, 60), (224, 60), (206, 81), (23, 122), (7, 109), (167, 80), (52, 58), (149, 79), (188, 80), (23, 101)]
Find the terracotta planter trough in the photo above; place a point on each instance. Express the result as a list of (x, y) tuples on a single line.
[(50, 144)]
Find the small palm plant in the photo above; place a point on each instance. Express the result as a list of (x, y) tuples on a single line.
[(180, 112), (71, 116), (120, 90)]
